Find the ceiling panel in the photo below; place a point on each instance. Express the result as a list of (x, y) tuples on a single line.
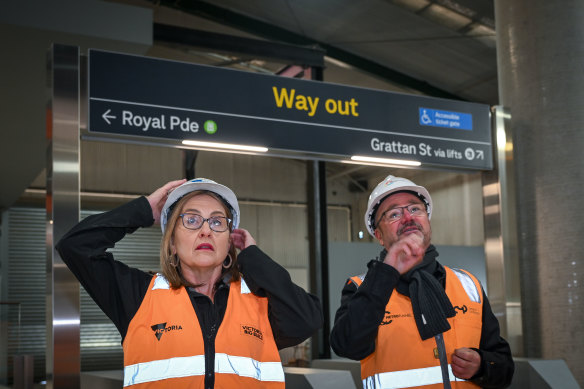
[(421, 45)]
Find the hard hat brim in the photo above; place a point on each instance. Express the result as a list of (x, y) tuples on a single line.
[(200, 184), (374, 202)]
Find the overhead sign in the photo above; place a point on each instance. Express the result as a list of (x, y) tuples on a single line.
[(148, 97)]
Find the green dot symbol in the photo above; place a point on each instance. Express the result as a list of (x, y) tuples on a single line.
[(210, 127)]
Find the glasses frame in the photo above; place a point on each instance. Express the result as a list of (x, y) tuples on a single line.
[(208, 220), (407, 207)]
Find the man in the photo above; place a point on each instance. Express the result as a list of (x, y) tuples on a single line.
[(411, 321)]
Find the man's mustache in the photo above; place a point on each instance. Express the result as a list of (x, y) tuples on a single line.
[(409, 225)]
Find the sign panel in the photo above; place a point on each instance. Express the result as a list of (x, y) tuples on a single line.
[(148, 97)]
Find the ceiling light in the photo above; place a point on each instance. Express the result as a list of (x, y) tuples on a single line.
[(228, 146), (337, 62), (384, 161)]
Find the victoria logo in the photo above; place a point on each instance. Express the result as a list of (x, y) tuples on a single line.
[(250, 330), (160, 329)]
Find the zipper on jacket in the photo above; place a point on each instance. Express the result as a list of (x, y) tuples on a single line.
[(443, 360), (209, 341)]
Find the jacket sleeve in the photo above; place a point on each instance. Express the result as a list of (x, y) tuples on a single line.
[(116, 288), (362, 309), (294, 314), (497, 366)]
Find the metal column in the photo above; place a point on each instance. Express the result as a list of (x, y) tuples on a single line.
[(318, 247), (318, 241), (63, 362), (499, 216), (540, 56)]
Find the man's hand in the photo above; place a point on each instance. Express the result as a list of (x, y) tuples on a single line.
[(406, 252), (465, 362)]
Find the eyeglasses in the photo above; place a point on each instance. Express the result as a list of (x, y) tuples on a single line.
[(192, 221), (394, 214)]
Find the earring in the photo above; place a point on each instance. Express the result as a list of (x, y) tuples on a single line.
[(173, 260), (228, 265)]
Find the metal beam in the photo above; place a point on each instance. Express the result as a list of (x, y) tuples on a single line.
[(259, 49)]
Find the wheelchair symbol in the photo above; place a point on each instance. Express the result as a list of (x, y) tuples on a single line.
[(425, 118)]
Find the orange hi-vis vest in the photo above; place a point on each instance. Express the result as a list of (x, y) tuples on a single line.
[(164, 346), (402, 359)]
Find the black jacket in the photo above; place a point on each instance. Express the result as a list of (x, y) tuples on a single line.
[(362, 310), (118, 289)]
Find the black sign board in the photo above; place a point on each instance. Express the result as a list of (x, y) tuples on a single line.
[(148, 97)]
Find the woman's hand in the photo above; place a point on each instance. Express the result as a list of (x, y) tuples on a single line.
[(159, 196), (241, 238)]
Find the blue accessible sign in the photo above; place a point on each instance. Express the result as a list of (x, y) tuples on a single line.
[(437, 118)]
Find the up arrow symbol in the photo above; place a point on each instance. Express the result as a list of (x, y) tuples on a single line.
[(106, 117), (480, 154)]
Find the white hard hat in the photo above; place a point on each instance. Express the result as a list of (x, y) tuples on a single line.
[(222, 191), (388, 186)]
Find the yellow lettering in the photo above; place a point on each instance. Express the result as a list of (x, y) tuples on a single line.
[(283, 97), (341, 110), (313, 105), (354, 105), (301, 103), (330, 106), (342, 107), (290, 99)]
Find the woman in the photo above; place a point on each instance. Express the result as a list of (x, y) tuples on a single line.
[(245, 306)]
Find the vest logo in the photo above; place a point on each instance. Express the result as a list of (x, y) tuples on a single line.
[(249, 330), (161, 328), (388, 317), (463, 309)]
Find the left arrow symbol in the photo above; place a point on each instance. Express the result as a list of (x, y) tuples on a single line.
[(106, 116)]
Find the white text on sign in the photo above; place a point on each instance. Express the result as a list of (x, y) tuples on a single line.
[(424, 150), (159, 122)]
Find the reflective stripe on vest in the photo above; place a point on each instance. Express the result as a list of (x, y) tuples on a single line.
[(161, 283), (468, 285), (195, 365), (247, 367), (407, 378), (164, 369)]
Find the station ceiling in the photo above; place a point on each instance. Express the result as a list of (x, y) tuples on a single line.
[(443, 48), (440, 48)]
